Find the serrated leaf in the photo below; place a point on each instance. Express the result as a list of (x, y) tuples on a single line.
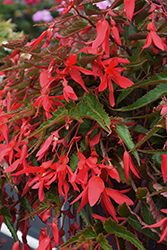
[(123, 210), (103, 242), (141, 192), (123, 95), (148, 98), (98, 227), (133, 221), (75, 115), (123, 132), (73, 27), (147, 216), (82, 213), (7, 218), (43, 207), (74, 161), (98, 107), (25, 204), (157, 127), (120, 231), (89, 233), (95, 112), (72, 240)]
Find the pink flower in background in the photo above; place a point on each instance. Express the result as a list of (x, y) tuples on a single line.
[(42, 15), (32, 1), (8, 2), (104, 4)]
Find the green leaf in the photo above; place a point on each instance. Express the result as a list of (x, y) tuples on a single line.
[(82, 213), (89, 233), (157, 127), (103, 242), (72, 240), (123, 210), (112, 227), (98, 107), (133, 221), (123, 132), (74, 161), (123, 95), (147, 215), (25, 204), (141, 192), (150, 97), (7, 218), (95, 113), (75, 115), (98, 227)]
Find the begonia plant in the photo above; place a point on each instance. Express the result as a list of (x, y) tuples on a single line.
[(83, 120)]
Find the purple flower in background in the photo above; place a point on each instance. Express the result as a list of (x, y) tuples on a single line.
[(103, 4), (42, 15)]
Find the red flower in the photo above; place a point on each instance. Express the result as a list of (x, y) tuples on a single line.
[(68, 92), (115, 32), (129, 8), (153, 39), (16, 246), (73, 70), (113, 73), (47, 33), (158, 224), (164, 167), (128, 165), (102, 39)]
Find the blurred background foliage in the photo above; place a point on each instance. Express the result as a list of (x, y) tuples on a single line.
[(16, 20)]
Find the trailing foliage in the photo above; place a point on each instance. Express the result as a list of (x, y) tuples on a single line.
[(83, 120)]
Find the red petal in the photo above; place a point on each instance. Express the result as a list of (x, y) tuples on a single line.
[(157, 40), (102, 28), (129, 8), (96, 187), (44, 244), (116, 35), (118, 196), (122, 81), (55, 233), (77, 77), (71, 60), (45, 146), (16, 246), (126, 165), (111, 95), (164, 167)]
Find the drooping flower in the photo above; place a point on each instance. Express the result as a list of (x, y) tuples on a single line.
[(153, 39), (102, 39), (68, 92), (129, 165)]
